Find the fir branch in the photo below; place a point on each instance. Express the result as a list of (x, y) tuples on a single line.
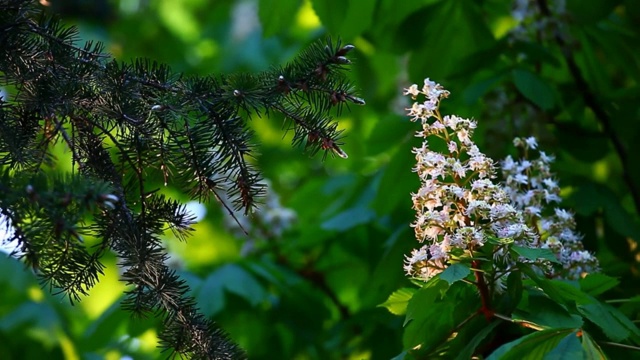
[(125, 122)]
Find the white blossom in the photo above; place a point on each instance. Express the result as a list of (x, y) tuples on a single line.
[(459, 205)]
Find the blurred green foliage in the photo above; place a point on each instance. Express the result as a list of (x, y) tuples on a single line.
[(313, 293)]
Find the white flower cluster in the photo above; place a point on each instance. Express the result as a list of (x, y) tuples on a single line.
[(530, 22), (269, 221), (459, 205), (531, 187)]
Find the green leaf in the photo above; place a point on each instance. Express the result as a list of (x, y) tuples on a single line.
[(591, 350), (455, 272), (597, 283), (514, 289), (568, 348), (470, 347), (535, 253), (534, 88), (332, 13), (391, 129), (347, 19), (358, 17), (625, 321), (533, 346), (559, 291), (429, 318), (425, 297), (397, 181), (434, 27), (477, 89), (546, 313), (597, 10), (433, 326), (240, 282), (400, 356), (601, 315), (276, 15), (398, 301), (210, 296), (349, 218), (534, 53), (38, 315)]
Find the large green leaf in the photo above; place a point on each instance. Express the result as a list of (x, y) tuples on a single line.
[(591, 350), (429, 319), (614, 324), (560, 291), (210, 296), (534, 88), (545, 312), (346, 19), (536, 345), (470, 347), (398, 301), (398, 181), (349, 219), (276, 15), (447, 33), (597, 283), (390, 130), (239, 281), (234, 279), (569, 348)]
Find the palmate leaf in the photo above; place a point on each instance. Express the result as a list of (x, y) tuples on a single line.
[(398, 301), (537, 345)]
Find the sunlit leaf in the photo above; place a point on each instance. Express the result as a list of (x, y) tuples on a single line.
[(398, 301)]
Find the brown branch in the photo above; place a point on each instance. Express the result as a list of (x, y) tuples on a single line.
[(485, 297)]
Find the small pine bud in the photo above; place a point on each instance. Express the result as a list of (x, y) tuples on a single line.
[(338, 151), (356, 100), (29, 189), (109, 200), (345, 49), (157, 107), (341, 60)]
